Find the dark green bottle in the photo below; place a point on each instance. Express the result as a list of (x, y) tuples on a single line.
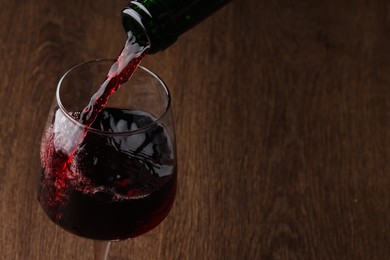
[(160, 22)]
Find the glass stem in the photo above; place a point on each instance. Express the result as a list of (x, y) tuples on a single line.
[(101, 249)]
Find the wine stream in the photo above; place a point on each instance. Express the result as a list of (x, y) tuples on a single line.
[(121, 71)]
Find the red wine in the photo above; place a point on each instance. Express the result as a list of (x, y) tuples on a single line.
[(108, 187), (113, 187)]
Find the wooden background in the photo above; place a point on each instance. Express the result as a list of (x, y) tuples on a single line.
[(282, 113)]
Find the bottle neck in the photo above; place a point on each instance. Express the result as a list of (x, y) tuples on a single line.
[(160, 23)]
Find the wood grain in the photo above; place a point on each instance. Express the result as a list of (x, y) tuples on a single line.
[(282, 119)]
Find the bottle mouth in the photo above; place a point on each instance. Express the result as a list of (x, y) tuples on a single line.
[(132, 23), (150, 25)]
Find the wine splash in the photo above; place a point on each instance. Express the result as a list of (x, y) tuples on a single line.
[(64, 137)]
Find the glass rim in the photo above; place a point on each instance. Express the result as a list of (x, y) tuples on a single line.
[(156, 120)]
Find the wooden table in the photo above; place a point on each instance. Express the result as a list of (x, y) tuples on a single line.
[(282, 113)]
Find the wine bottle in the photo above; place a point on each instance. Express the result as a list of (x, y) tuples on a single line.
[(160, 22)]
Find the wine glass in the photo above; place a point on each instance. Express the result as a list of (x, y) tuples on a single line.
[(115, 179)]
